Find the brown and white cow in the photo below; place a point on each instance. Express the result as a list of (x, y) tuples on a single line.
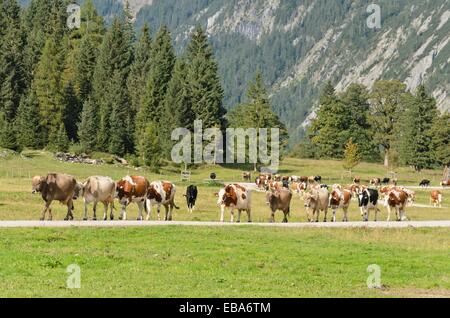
[(375, 182), (340, 198), (161, 193), (279, 200), (445, 183), (132, 189), (316, 201), (298, 187), (234, 196), (274, 185), (97, 189), (55, 186), (397, 199), (436, 198)]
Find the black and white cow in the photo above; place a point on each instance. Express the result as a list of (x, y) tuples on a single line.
[(191, 197), (368, 200)]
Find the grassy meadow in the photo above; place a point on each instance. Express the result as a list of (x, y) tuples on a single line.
[(180, 261), (17, 202)]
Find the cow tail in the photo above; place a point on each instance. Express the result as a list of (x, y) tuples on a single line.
[(175, 206)]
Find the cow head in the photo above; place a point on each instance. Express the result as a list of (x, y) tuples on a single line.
[(79, 190), (123, 188), (37, 184), (310, 198), (227, 196), (363, 198)]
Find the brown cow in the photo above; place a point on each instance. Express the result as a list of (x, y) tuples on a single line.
[(436, 198), (55, 186), (234, 196), (279, 200), (315, 201), (246, 176), (445, 183), (132, 189), (397, 199), (161, 193), (340, 198)]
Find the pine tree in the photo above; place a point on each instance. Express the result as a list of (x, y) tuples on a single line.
[(351, 155), (204, 81), (84, 68), (7, 134), (27, 122), (257, 113), (119, 143), (160, 73), (178, 111), (12, 73), (149, 147), (115, 57), (327, 131), (440, 133), (59, 140), (72, 111), (88, 126), (415, 138), (48, 89)]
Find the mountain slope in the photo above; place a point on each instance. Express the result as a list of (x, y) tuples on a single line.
[(299, 45)]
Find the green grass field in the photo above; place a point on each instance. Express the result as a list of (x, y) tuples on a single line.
[(179, 261)]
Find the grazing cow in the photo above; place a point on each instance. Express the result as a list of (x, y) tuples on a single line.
[(425, 183), (368, 200), (55, 186), (375, 182), (279, 200), (357, 180), (316, 201), (132, 189), (191, 197), (397, 199), (246, 176), (340, 198), (436, 198), (445, 183), (97, 189), (234, 196), (385, 181), (161, 193)]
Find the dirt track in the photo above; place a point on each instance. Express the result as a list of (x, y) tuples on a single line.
[(64, 224)]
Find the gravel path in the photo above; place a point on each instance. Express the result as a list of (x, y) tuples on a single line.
[(65, 224)]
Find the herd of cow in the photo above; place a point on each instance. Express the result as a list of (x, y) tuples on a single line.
[(279, 192)]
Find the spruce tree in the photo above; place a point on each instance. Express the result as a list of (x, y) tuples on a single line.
[(72, 111), (149, 147), (415, 138), (12, 72), (204, 81), (160, 73), (27, 122), (8, 134), (440, 133), (88, 126), (47, 84)]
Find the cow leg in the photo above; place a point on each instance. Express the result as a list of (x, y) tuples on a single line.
[(69, 215), (46, 207), (95, 211), (389, 213), (111, 215), (345, 219), (222, 212), (50, 215), (141, 207), (158, 210), (105, 213), (285, 219), (272, 217), (397, 212), (232, 215), (317, 216), (123, 211), (148, 208), (85, 218), (249, 216), (239, 216), (334, 215), (325, 212)]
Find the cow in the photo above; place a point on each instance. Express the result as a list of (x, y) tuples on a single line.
[(445, 183), (97, 189), (274, 185), (262, 181), (385, 181), (303, 179), (132, 189), (191, 197), (368, 200), (436, 198), (279, 200), (357, 180), (397, 199), (285, 183), (161, 193), (234, 196), (375, 182), (425, 183), (340, 198), (55, 186), (246, 176), (298, 187), (316, 201)]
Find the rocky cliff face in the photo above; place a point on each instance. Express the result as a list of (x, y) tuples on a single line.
[(300, 44)]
